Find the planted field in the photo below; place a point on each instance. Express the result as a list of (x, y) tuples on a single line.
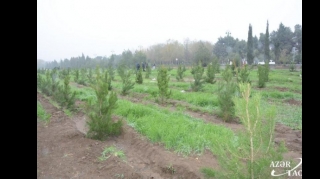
[(174, 139)]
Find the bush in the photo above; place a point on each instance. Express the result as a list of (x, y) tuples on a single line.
[(226, 91), (180, 72), (163, 84), (262, 76), (211, 72), (127, 84), (107, 79), (64, 96), (90, 76), (292, 67), (110, 69), (197, 72), (243, 75), (100, 112), (49, 84)]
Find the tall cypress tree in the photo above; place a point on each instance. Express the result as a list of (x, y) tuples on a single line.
[(267, 53), (250, 46), (266, 45)]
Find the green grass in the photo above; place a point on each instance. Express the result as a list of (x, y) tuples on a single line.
[(67, 112), (108, 151), (208, 172), (175, 130), (42, 114), (206, 101)]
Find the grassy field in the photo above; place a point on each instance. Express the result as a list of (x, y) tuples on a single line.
[(186, 134)]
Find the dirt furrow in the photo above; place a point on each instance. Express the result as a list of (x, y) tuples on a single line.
[(63, 151)]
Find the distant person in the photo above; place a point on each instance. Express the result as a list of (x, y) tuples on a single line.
[(143, 66), (138, 66), (154, 66)]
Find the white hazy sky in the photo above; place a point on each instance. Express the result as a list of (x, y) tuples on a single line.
[(68, 28)]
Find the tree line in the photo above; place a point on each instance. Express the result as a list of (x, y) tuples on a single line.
[(285, 46)]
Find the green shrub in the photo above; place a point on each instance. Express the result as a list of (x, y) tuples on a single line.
[(110, 69), (226, 91), (197, 72), (127, 84), (211, 72), (90, 76), (107, 79), (163, 83), (243, 75), (180, 72), (100, 112), (64, 96), (292, 67), (262, 76)]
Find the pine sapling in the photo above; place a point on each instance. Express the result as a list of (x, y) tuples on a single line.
[(197, 72), (107, 79), (243, 75), (100, 110), (249, 153), (54, 81), (262, 76), (163, 84), (180, 72), (120, 70), (90, 76), (211, 72), (127, 84), (110, 69), (226, 91), (65, 97)]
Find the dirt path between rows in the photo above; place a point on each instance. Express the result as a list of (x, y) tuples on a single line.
[(64, 152)]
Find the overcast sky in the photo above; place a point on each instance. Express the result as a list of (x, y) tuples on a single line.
[(68, 28)]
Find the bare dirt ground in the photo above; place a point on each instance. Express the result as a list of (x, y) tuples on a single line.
[(63, 151)]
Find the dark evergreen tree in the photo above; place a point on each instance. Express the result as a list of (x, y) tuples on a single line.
[(226, 92), (266, 45), (267, 53), (127, 84), (211, 72), (163, 84), (100, 112), (250, 46), (65, 97), (197, 72), (180, 72), (107, 79)]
